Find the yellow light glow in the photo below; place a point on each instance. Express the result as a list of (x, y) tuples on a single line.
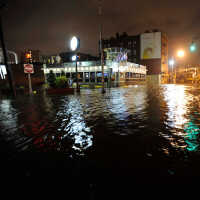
[(28, 55), (181, 53)]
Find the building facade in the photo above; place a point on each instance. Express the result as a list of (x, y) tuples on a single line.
[(12, 59), (149, 49), (131, 43), (154, 55), (115, 73)]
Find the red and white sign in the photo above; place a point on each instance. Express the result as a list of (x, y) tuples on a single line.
[(28, 68)]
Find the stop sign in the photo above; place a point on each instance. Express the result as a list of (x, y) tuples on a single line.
[(28, 68)]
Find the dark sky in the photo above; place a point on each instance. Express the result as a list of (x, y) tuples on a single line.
[(47, 25)]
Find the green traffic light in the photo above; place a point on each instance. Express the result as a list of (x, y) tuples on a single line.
[(192, 48)]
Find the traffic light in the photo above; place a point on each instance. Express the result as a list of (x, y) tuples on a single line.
[(193, 47), (28, 56)]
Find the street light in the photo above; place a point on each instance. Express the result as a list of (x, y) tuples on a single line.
[(180, 53), (75, 45), (171, 63), (101, 44), (193, 47), (74, 58)]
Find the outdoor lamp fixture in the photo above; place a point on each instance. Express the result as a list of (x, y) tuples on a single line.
[(75, 45), (171, 62), (193, 47), (74, 58), (180, 53)]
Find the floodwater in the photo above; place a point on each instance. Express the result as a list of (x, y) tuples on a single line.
[(137, 131)]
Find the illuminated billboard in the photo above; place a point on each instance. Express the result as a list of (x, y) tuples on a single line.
[(151, 45)]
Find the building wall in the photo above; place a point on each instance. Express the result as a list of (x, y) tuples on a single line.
[(153, 66), (150, 45), (164, 53), (157, 63)]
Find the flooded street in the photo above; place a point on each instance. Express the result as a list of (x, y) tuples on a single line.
[(137, 131)]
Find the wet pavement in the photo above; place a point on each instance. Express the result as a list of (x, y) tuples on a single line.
[(144, 134)]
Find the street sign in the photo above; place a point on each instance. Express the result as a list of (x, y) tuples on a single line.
[(28, 68)]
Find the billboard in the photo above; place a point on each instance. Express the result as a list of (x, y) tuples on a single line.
[(150, 45)]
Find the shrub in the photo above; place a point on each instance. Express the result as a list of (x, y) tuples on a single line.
[(61, 82)]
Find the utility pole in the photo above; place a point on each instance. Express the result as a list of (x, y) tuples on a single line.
[(8, 68), (77, 82), (101, 45)]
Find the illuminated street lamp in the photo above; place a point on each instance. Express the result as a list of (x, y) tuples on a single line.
[(171, 63), (101, 44), (193, 47), (75, 45), (180, 53), (74, 58)]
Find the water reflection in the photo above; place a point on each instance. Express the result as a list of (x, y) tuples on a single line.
[(8, 118), (176, 100), (125, 110), (192, 137), (165, 117), (75, 127), (180, 105), (131, 101)]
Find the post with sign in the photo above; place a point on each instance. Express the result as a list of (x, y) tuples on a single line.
[(28, 69)]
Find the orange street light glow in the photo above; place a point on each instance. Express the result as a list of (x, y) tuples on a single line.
[(28, 55), (181, 53)]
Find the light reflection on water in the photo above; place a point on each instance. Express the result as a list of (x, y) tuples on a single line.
[(74, 121), (76, 127), (177, 101)]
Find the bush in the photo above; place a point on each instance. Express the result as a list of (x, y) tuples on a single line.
[(61, 82)]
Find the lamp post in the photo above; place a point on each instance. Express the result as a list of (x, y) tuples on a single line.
[(180, 54), (75, 45), (101, 45), (171, 63)]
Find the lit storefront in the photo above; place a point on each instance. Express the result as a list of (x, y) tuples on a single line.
[(91, 71)]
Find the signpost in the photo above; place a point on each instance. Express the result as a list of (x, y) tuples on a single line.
[(28, 69)]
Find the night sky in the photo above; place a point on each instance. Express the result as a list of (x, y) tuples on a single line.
[(47, 25)]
